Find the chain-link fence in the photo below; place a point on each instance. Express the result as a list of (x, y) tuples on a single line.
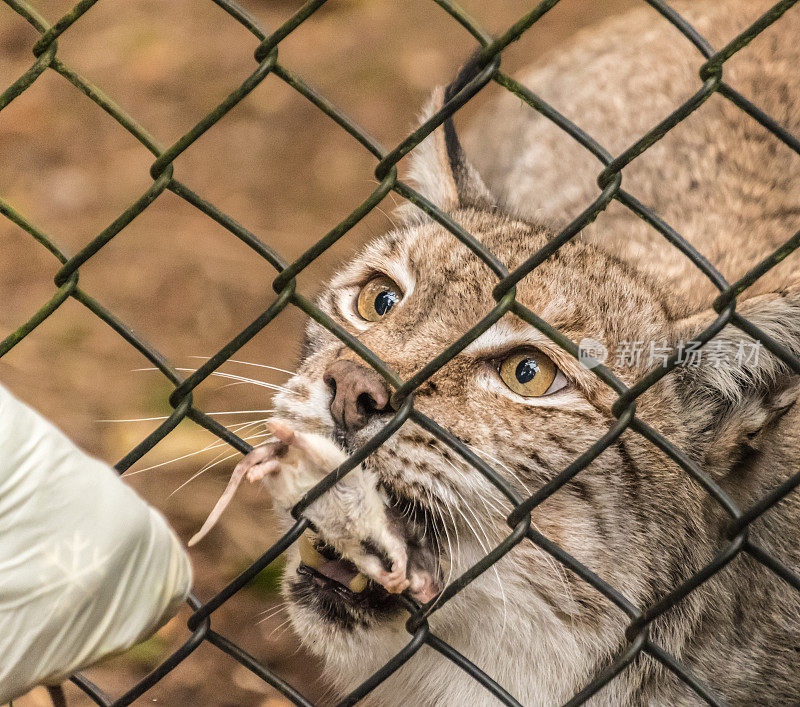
[(486, 68)]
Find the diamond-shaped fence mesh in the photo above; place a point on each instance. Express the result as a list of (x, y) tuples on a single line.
[(486, 69)]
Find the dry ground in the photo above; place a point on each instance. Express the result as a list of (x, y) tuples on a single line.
[(279, 167)]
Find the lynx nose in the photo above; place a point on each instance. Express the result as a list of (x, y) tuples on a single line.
[(358, 394)]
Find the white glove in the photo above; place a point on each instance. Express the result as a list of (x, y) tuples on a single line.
[(87, 568)]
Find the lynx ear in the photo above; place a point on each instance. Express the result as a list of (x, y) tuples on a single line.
[(737, 388), (439, 169)]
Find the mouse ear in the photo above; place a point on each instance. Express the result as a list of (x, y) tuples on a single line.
[(439, 169)]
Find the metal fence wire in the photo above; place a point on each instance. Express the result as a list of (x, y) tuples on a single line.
[(484, 68)]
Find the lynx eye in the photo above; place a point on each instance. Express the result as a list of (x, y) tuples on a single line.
[(377, 298), (531, 374)]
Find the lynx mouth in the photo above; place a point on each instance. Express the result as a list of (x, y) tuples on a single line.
[(332, 586), (323, 561)]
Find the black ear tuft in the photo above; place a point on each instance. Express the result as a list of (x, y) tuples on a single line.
[(439, 169), (469, 186)]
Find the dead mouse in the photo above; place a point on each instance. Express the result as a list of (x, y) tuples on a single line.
[(351, 517)]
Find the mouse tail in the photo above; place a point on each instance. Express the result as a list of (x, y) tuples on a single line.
[(236, 479)]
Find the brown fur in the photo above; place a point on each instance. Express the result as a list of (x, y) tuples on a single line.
[(719, 178), (633, 516)]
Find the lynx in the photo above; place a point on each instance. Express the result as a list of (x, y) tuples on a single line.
[(528, 408)]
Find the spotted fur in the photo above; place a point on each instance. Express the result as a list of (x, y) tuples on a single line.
[(632, 516)]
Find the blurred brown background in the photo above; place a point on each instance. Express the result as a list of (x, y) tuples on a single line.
[(277, 165)]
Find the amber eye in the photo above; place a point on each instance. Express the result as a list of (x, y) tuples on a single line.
[(529, 373), (377, 298)]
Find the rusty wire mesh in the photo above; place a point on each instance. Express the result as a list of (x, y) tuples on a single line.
[(487, 68)]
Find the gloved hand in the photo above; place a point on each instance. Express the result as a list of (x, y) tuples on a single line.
[(87, 568)]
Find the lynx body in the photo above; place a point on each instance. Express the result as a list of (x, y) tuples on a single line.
[(632, 516)]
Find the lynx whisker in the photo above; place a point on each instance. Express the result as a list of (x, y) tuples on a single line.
[(556, 566), (245, 379), (210, 414), (249, 363), (213, 445), (280, 605), (217, 461), (280, 627), (451, 557), (272, 612), (486, 549), (221, 374), (505, 467)]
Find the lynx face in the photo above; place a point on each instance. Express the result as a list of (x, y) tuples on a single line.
[(486, 396), (529, 409)]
